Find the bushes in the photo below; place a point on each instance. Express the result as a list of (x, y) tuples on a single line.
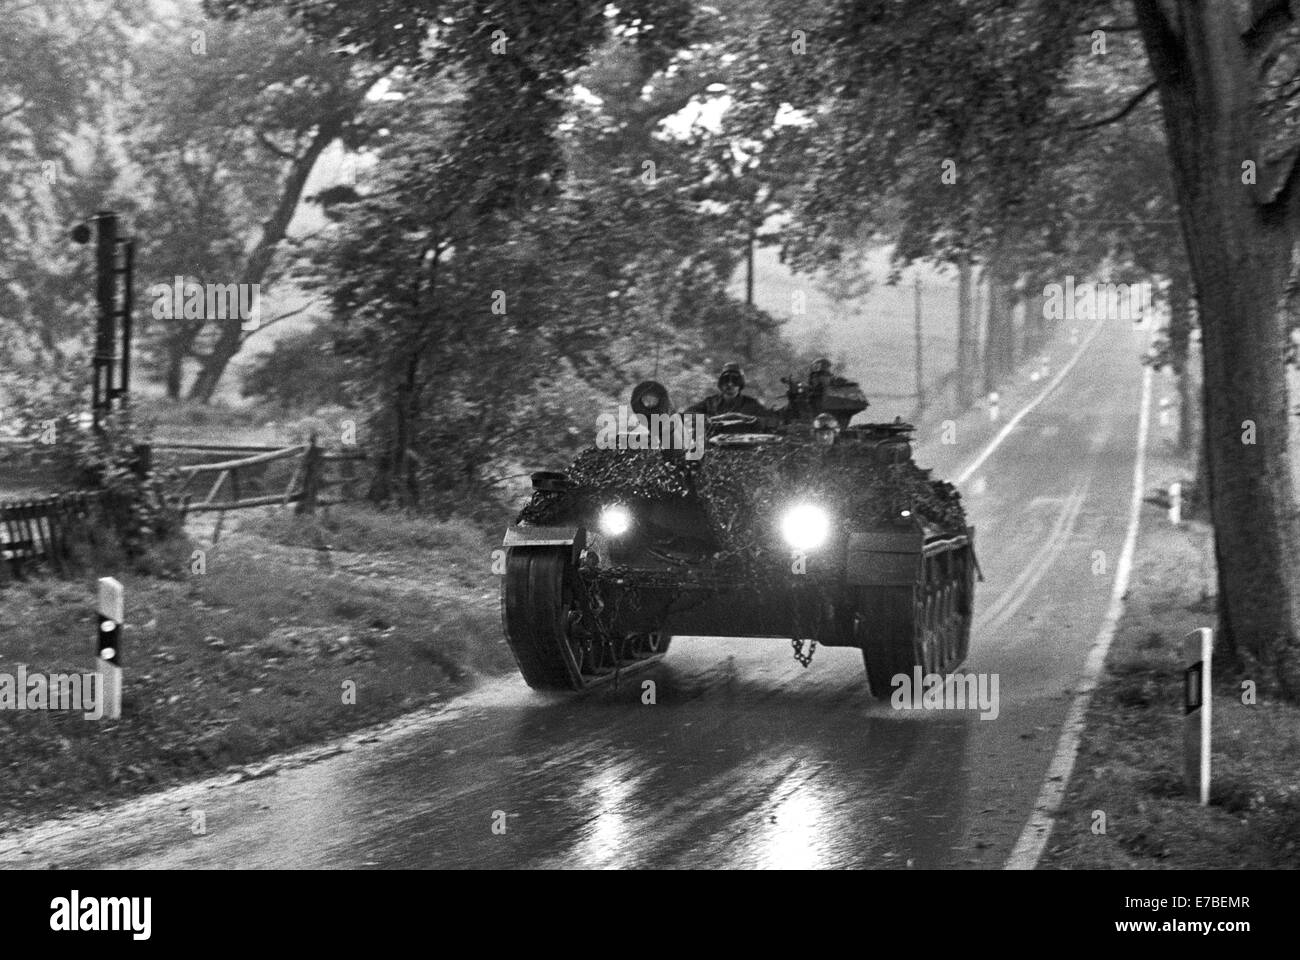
[(131, 522), (115, 460), (301, 372)]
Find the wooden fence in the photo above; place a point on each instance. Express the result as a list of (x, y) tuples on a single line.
[(48, 528), (234, 478)]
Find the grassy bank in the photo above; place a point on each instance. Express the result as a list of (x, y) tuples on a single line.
[(252, 656), (1130, 760)]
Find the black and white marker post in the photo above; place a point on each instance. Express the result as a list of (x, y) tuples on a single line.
[(112, 612), (1196, 719)]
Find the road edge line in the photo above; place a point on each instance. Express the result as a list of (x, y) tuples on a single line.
[(1029, 407), (1033, 838)]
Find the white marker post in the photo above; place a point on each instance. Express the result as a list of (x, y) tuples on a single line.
[(112, 612), (993, 405), (1175, 503), (1196, 720)]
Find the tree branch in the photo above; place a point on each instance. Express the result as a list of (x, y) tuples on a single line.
[(1268, 19), (265, 141), (1161, 40), (1287, 181), (1123, 112), (274, 320)]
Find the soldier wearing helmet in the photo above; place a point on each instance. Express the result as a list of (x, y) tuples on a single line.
[(820, 376), (730, 399), (826, 429), (823, 394)]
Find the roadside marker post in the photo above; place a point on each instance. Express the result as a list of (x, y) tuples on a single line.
[(1197, 648), (112, 613), (993, 405), (1175, 503)]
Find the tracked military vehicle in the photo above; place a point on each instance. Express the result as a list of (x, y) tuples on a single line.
[(803, 528)]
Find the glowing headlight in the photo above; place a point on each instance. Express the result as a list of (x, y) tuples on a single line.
[(615, 521), (805, 526)]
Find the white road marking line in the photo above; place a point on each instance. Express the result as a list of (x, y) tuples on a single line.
[(1033, 839), (1039, 565), (1024, 412)]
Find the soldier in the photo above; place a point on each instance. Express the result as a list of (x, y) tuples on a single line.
[(826, 429), (824, 393), (730, 399), (820, 376)]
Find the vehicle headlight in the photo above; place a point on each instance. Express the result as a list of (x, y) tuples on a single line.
[(805, 527), (615, 520)]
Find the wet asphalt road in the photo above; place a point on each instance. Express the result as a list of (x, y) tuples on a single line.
[(746, 759)]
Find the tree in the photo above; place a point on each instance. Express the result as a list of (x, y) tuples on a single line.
[(514, 261), (232, 118), (60, 73), (896, 92), (1228, 77)]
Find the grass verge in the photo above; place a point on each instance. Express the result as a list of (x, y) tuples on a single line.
[(1129, 767), (250, 657)]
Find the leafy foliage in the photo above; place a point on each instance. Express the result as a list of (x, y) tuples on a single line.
[(300, 372), (58, 73), (460, 270), (135, 505), (134, 509), (226, 139)]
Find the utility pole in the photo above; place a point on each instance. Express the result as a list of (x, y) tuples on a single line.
[(105, 358), (920, 378)]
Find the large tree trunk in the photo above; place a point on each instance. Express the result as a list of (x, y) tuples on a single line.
[(1180, 335), (175, 369), (1239, 245), (231, 334), (1035, 322)]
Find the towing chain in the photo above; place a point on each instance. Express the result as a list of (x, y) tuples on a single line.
[(803, 658)]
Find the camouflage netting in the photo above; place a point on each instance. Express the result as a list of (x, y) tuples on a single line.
[(743, 489)]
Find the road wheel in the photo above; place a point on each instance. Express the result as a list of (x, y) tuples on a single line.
[(547, 632), (965, 602), (902, 628), (929, 646)]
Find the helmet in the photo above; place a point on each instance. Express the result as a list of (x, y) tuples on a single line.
[(732, 371), (825, 428), (825, 421), (821, 366)]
